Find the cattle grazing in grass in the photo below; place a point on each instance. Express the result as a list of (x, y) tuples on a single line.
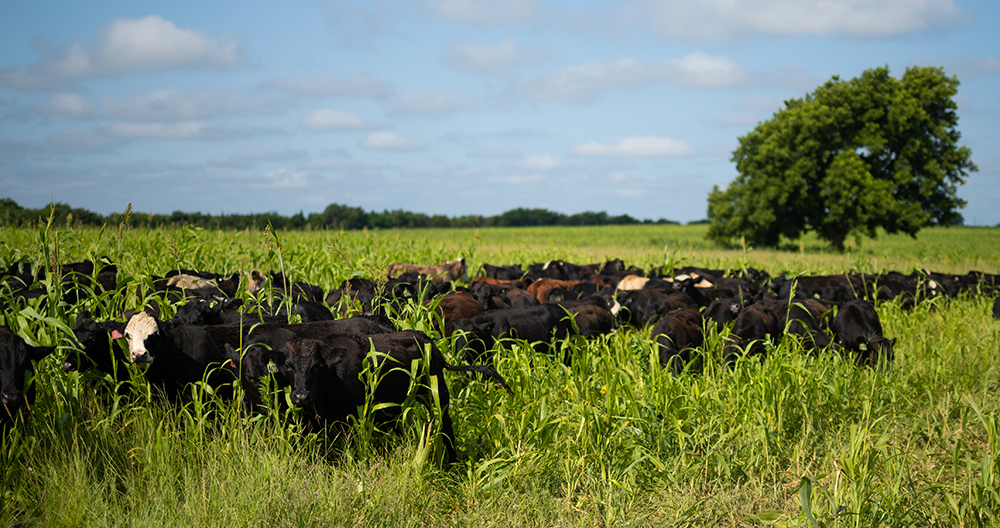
[(591, 316), (517, 298), (535, 324), (676, 335), (835, 288), (452, 307), (327, 376), (262, 355), (801, 318), (505, 273), (858, 331), (540, 288), (646, 306), (996, 308), (16, 362), (96, 348), (175, 355), (754, 325), (632, 282), (450, 270)]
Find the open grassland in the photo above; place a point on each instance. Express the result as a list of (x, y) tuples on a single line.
[(611, 440)]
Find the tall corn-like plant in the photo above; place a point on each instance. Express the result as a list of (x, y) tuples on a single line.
[(275, 249)]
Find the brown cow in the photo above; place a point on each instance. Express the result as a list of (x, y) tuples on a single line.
[(540, 288), (455, 306), (437, 273)]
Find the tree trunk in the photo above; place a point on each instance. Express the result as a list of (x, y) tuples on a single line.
[(836, 234)]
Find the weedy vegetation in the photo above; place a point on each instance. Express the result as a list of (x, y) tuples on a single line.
[(612, 440)]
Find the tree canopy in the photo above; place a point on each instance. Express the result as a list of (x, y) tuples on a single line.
[(847, 159)]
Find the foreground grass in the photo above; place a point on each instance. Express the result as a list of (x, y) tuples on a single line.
[(610, 440)]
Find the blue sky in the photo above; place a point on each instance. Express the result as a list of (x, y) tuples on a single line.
[(448, 107)]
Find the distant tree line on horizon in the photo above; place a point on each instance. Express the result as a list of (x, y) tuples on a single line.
[(335, 216)]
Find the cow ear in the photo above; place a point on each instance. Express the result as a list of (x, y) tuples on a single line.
[(84, 316), (153, 309), (38, 353)]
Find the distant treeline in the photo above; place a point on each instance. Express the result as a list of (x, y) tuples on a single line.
[(335, 216)]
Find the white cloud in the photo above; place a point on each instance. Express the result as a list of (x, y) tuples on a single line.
[(540, 162), (437, 103), (106, 135), (281, 179), (967, 67), (725, 19), (183, 130), (326, 119), (70, 106), (695, 70), (147, 44), (634, 147), (387, 140), (485, 12), (247, 158), (160, 105), (492, 61), (493, 154), (347, 165), (329, 85)]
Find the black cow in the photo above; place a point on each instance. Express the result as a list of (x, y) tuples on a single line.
[(647, 305), (591, 315), (513, 272), (996, 308), (723, 311), (263, 354), (326, 376), (858, 330), (801, 318), (536, 324), (16, 359), (96, 349), (676, 334), (752, 326), (175, 355), (263, 347), (835, 288)]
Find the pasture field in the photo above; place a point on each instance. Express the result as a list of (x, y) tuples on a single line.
[(612, 440)]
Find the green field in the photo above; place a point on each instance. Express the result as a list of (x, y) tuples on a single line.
[(613, 440)]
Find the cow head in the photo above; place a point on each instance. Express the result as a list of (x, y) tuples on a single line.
[(303, 366), (459, 269), (877, 350), (94, 338), (473, 338), (142, 331), (16, 358), (258, 360)]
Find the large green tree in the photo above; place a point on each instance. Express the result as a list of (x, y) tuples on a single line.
[(847, 159)]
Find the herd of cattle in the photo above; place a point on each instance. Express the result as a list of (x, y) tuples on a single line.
[(221, 333)]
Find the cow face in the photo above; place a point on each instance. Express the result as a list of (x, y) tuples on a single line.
[(303, 366), (141, 330), (15, 363)]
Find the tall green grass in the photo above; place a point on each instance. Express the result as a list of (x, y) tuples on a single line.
[(612, 439)]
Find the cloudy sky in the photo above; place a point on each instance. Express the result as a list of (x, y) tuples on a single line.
[(446, 106)]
